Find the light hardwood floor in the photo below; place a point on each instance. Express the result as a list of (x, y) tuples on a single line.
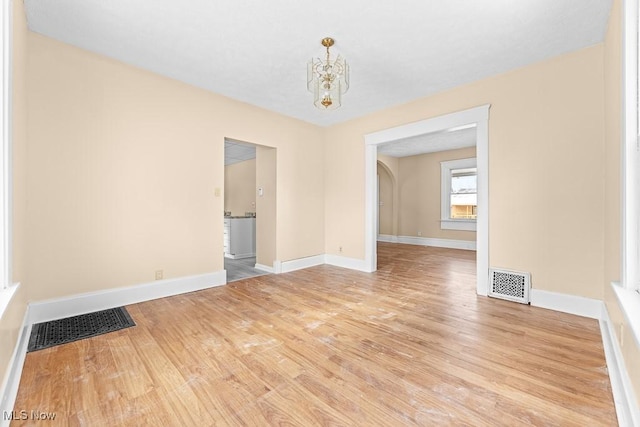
[(409, 345)]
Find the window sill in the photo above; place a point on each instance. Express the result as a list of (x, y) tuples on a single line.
[(5, 297), (458, 224), (629, 301)]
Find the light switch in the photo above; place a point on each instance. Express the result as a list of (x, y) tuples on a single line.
[(260, 192)]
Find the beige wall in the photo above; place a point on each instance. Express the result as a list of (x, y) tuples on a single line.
[(613, 140), (543, 118), (124, 165), (12, 319), (266, 206), (240, 187), (420, 188), (391, 165), (385, 200)]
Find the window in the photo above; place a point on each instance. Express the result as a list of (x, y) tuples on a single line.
[(463, 199), (5, 130), (631, 169), (6, 291), (459, 194), (635, 285), (628, 292)]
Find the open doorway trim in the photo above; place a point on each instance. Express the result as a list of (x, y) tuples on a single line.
[(477, 117)]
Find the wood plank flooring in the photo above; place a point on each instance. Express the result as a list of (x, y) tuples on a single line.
[(408, 345)]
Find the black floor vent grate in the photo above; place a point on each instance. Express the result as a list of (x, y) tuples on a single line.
[(62, 331)]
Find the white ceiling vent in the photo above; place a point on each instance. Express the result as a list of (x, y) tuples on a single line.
[(510, 285)]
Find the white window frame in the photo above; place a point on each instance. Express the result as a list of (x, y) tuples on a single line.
[(628, 291), (7, 290), (631, 152), (446, 222)]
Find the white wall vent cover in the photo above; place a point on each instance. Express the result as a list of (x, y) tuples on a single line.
[(509, 285)]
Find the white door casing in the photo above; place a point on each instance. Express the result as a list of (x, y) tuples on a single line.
[(477, 117)]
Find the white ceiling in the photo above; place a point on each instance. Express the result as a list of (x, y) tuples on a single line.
[(236, 151), (256, 51), (430, 143)]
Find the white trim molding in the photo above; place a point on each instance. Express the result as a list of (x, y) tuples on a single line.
[(469, 245), (428, 241), (629, 302), (477, 118), (6, 44), (458, 224), (312, 261), (265, 268), (565, 303), (74, 305), (630, 150), (11, 381), (297, 264), (346, 262), (388, 238), (623, 395)]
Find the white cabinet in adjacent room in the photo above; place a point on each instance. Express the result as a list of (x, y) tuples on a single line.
[(240, 237)]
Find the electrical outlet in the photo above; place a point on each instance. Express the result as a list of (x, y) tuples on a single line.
[(159, 275), (340, 249), (216, 192), (419, 233)]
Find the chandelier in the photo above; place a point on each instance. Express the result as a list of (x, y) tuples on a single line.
[(327, 79)]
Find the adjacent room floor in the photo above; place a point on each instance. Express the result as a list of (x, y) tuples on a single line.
[(242, 268), (411, 344)]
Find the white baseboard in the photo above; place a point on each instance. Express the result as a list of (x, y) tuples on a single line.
[(240, 256), (346, 262), (623, 395), (572, 304), (469, 245), (74, 305), (358, 264), (9, 390), (300, 263), (336, 260), (297, 264), (263, 267)]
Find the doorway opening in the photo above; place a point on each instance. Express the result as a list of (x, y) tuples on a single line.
[(249, 209), (474, 118), (427, 190)]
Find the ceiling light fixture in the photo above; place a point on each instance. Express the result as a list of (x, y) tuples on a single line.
[(328, 79)]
